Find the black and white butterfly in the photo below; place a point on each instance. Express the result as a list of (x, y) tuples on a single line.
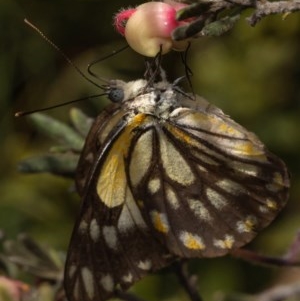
[(164, 176)]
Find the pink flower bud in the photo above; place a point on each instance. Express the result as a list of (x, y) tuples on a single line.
[(148, 27)]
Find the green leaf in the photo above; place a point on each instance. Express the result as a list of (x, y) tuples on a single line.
[(57, 131)]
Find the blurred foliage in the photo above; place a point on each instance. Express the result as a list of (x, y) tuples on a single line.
[(253, 74)]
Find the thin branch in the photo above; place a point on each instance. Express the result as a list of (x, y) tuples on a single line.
[(215, 17), (293, 252), (263, 259), (276, 293), (280, 292), (263, 9), (189, 282), (290, 258)]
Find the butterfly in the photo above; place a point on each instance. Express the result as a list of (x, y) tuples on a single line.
[(165, 175)]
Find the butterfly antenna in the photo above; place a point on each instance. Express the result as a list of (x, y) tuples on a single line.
[(91, 65), (71, 63), (24, 113)]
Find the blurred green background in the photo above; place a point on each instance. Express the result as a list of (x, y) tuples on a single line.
[(253, 74)]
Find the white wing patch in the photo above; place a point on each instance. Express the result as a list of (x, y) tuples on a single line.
[(141, 157), (175, 166), (83, 227), (245, 168), (192, 241), (88, 281), (216, 199), (231, 186), (154, 185), (144, 264), (110, 236), (172, 197), (247, 225), (130, 216), (200, 210), (226, 243), (107, 282), (128, 278), (94, 230)]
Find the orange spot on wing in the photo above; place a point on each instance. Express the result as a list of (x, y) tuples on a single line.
[(192, 243), (158, 223), (180, 134), (226, 129), (272, 205)]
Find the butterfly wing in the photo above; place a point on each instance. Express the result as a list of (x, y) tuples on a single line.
[(111, 244), (207, 185)]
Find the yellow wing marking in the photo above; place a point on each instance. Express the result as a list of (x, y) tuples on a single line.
[(272, 204), (228, 130), (226, 243), (278, 179), (112, 183), (192, 241), (179, 134), (247, 225), (248, 148), (159, 221)]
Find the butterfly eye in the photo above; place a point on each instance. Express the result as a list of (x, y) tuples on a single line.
[(116, 95)]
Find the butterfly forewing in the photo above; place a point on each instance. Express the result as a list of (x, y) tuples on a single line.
[(164, 177), (111, 245)]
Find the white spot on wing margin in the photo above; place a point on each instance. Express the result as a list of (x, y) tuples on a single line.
[(88, 281), (110, 236), (107, 282), (94, 230)]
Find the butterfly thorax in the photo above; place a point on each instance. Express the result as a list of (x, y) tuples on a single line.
[(159, 99)]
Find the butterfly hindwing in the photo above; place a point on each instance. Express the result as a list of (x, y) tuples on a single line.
[(208, 184)]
